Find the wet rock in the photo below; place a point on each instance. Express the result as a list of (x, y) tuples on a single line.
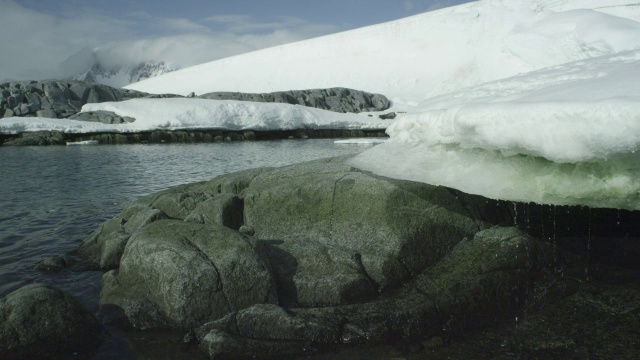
[(336, 256), (39, 321), (309, 274), (104, 247), (393, 225), (433, 343), (37, 138), (179, 275), (54, 264), (484, 288), (249, 135)]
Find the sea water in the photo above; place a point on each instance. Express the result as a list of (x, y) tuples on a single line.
[(54, 197)]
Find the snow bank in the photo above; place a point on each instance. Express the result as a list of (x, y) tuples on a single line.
[(182, 114), (581, 111), (362, 141), (418, 57), (563, 135)]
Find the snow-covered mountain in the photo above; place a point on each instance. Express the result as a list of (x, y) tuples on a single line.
[(119, 76), (425, 55), (103, 66)]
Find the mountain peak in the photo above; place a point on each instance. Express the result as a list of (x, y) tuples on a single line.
[(121, 75)]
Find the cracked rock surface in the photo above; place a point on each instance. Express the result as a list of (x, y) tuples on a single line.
[(334, 256)]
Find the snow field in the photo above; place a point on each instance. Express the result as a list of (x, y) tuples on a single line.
[(181, 114)]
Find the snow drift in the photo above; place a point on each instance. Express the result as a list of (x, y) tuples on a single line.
[(182, 114)]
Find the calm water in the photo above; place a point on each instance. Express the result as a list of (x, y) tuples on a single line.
[(53, 197)]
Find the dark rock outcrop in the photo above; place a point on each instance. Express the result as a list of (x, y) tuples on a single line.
[(56, 98), (177, 136), (106, 117), (334, 99), (65, 98), (388, 116), (480, 280), (39, 321), (35, 138), (268, 262)]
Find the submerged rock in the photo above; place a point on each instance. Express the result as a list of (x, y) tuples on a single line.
[(268, 262), (39, 321)]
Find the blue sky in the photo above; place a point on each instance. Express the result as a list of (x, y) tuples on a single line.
[(45, 33)]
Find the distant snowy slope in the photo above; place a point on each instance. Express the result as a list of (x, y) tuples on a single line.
[(418, 57)]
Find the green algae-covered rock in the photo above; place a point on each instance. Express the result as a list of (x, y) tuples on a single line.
[(40, 321)]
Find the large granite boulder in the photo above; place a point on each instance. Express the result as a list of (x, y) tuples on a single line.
[(275, 261), (334, 99), (194, 203), (175, 274), (39, 321)]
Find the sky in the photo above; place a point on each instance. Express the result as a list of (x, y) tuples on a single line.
[(43, 39)]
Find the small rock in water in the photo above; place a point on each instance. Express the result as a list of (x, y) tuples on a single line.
[(54, 264)]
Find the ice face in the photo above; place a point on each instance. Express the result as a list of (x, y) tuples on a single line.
[(565, 135)]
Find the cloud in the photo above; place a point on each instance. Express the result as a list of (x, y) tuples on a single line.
[(242, 24), (34, 43), (413, 6), (193, 43), (42, 45)]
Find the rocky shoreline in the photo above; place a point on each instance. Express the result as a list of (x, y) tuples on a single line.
[(44, 138), (318, 257), (64, 100)]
